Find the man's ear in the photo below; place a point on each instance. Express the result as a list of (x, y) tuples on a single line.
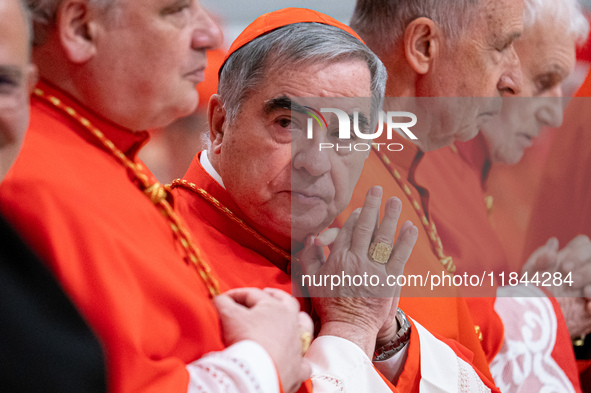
[(421, 44), (77, 30), (216, 117)]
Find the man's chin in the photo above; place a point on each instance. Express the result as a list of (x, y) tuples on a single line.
[(511, 159), (467, 134)]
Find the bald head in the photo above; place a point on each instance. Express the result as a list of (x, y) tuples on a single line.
[(17, 77)]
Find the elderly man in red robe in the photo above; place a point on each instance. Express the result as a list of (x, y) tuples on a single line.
[(442, 49), (456, 178), (562, 210), (262, 187), (109, 232), (562, 207)]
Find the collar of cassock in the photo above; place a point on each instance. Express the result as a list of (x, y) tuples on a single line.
[(268, 22), (129, 142)]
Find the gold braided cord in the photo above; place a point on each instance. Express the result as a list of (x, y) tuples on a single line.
[(429, 226), (218, 205), (154, 191)]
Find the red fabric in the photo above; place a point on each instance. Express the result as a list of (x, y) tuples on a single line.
[(241, 259), (514, 189), (111, 249), (209, 86), (458, 209), (445, 313), (585, 367), (584, 52), (280, 18), (563, 205), (585, 89), (456, 182)]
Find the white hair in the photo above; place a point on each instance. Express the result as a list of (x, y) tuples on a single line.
[(565, 12)]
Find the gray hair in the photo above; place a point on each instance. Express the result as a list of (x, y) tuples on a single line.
[(381, 23), (567, 13), (44, 14), (294, 46)]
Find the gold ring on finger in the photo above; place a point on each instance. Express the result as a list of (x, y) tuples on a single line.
[(380, 252), (306, 338)]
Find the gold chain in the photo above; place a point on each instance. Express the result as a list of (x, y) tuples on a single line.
[(200, 191), (154, 191), (429, 226)]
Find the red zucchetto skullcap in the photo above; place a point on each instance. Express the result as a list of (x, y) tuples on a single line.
[(287, 16)]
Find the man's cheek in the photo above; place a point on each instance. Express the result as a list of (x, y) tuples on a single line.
[(13, 124)]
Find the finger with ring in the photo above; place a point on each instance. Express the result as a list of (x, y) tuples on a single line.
[(380, 252), (306, 338)]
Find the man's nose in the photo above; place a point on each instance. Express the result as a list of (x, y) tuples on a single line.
[(511, 80), (309, 156), (207, 34)]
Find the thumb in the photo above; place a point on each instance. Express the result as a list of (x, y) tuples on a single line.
[(552, 244), (544, 258), (311, 257), (226, 306), (327, 238)]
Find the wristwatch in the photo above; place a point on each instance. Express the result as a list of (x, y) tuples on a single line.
[(401, 338)]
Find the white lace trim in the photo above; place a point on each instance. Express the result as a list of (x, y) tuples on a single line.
[(525, 362), (244, 367), (442, 371)]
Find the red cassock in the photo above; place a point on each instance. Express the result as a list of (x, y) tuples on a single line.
[(455, 177), (563, 206), (245, 258), (441, 311), (111, 249)]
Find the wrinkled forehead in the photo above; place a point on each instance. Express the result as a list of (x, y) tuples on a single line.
[(14, 34), (346, 77), (496, 19), (547, 47), (318, 85)]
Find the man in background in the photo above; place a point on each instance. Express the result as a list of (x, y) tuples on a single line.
[(45, 344), (437, 57), (435, 53), (456, 177)]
